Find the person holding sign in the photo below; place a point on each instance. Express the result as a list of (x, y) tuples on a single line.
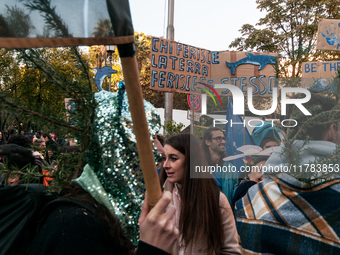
[(203, 214)]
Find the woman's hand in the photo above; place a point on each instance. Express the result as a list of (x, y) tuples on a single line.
[(157, 227)]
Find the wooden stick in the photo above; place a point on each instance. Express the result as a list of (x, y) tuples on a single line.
[(140, 128)]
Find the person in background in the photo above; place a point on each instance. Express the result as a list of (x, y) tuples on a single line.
[(26, 142), (297, 211), (158, 142), (15, 157), (10, 131), (51, 148), (248, 179), (39, 153), (21, 140), (38, 134), (254, 157), (266, 135), (203, 214), (54, 137), (31, 132), (213, 144), (2, 139), (40, 146), (50, 143)]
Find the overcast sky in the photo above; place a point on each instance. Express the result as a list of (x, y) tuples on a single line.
[(211, 24)]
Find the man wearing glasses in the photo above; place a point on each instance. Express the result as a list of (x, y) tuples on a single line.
[(213, 143)]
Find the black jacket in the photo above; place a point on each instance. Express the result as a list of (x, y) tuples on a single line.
[(72, 229)]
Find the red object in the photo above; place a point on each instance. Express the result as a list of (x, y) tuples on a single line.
[(46, 180), (212, 89), (194, 102)]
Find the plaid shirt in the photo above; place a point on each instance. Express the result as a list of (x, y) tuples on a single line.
[(281, 215)]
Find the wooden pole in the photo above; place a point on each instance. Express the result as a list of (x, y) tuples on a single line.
[(141, 131)]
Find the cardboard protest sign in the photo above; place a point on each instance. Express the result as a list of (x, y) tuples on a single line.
[(328, 34), (177, 67), (245, 69), (319, 74)]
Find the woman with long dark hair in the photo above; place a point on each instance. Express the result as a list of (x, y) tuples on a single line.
[(203, 214)]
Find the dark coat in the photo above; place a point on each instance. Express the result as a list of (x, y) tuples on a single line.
[(72, 229)]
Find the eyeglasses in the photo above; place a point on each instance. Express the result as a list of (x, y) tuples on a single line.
[(219, 138)]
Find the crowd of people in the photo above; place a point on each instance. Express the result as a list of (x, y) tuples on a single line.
[(225, 212), (276, 211), (39, 149)]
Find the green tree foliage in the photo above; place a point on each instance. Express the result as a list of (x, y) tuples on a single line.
[(289, 28), (46, 77), (10, 80), (172, 128), (36, 95), (103, 28), (30, 78), (36, 81)]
